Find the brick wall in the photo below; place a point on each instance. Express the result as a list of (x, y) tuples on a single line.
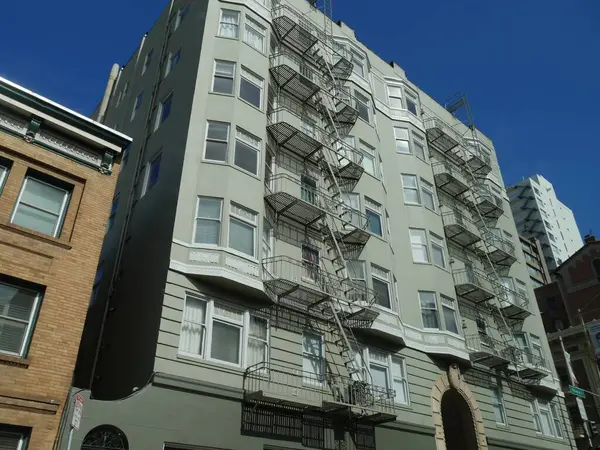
[(33, 389)]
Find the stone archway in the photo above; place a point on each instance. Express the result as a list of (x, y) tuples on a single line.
[(451, 390)]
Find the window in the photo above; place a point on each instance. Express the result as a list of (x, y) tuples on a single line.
[(247, 151), (402, 141), (41, 205), (255, 34), (217, 141), (368, 161), (18, 310), (521, 289), (137, 104), (172, 61), (229, 24), (251, 88), (105, 437), (395, 97), (4, 173), (437, 250), (181, 15), (388, 375), (151, 174), (267, 240), (356, 272), (352, 208), (308, 189), (418, 243), (113, 212), (362, 105), (147, 61), (208, 221), (381, 285), (551, 236), (545, 418), (163, 111), (449, 314), (224, 74), (373, 212), (429, 312), (419, 147), (428, 195), (358, 64), (410, 190), (219, 332), (313, 361), (242, 230), (536, 348), (310, 263), (125, 158), (411, 103), (498, 404)]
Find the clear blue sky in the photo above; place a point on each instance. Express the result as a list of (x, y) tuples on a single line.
[(531, 69)]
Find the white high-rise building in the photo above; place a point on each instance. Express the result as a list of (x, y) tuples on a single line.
[(539, 213)]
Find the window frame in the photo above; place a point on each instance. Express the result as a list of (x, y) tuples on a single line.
[(210, 318), (5, 171), (368, 152), (385, 280), (389, 366), (219, 220), (406, 187), (357, 56), (237, 25), (419, 141), (159, 119), (257, 148), (207, 139), (181, 13), (498, 403), (438, 242), (424, 245), (244, 220), (257, 28), (215, 76), (398, 96), (148, 172), (413, 99), (147, 61), (24, 434), (173, 58), (376, 212), (402, 139), (261, 86), (31, 321), (322, 359), (427, 188), (435, 310), (63, 208), (366, 103), (137, 104), (548, 409), (448, 303)]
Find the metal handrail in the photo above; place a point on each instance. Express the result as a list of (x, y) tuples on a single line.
[(454, 217), (500, 243), (436, 122), (513, 297), (316, 196), (284, 55), (483, 343), (472, 276), (482, 191), (526, 356), (450, 168), (279, 380), (348, 152)]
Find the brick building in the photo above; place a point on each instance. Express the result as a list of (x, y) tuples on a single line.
[(573, 299), (57, 176)]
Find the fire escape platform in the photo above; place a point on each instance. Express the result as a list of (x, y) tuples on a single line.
[(293, 34), (293, 76), (440, 137), (459, 229), (450, 184), (488, 208), (293, 207), (284, 127), (473, 286), (502, 258), (489, 352), (478, 165), (514, 311)]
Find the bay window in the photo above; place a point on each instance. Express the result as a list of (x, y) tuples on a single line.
[(208, 221), (242, 230), (418, 243), (546, 418), (449, 313), (429, 312), (381, 285)]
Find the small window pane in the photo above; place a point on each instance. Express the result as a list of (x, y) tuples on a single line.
[(374, 222), (225, 342), (250, 92), (383, 292), (241, 236), (246, 157), (16, 307)]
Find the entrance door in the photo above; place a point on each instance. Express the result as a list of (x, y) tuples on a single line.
[(459, 426)]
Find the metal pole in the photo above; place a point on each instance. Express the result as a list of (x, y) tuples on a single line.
[(71, 429)]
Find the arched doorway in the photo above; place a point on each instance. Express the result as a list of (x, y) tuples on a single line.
[(105, 437), (459, 427)]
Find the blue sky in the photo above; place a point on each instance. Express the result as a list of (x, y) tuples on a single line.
[(531, 69)]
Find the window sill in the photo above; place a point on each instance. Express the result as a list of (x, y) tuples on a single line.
[(200, 361), (37, 235), (222, 94), (229, 250), (13, 360), (232, 166), (237, 38), (422, 263), (261, 52), (259, 109)]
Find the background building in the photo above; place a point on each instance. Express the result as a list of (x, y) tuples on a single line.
[(57, 177), (309, 250), (535, 261), (570, 308), (539, 214)]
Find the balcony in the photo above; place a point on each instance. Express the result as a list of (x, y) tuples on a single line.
[(449, 179), (473, 285), (489, 205), (442, 137), (514, 305), (278, 385), (530, 366), (303, 285), (459, 229), (489, 352), (293, 29), (500, 251), (294, 76), (290, 197), (294, 130), (479, 162)]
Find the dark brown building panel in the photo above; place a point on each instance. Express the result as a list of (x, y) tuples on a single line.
[(54, 205)]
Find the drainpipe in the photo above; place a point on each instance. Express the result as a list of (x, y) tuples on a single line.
[(114, 73)]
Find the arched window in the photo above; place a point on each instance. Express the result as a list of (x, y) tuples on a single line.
[(596, 264), (105, 437)]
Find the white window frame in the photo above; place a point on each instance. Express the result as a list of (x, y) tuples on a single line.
[(237, 25), (215, 75), (252, 78), (418, 141), (414, 99), (240, 218), (146, 174), (368, 151), (181, 13), (358, 60), (448, 303), (31, 321), (428, 188), (358, 97), (498, 402), (206, 139), (322, 358), (541, 408), (435, 309), (383, 275), (406, 188), (258, 29), (388, 365), (210, 318), (402, 135), (268, 240), (438, 243), (246, 138), (170, 59), (137, 104), (63, 207), (159, 111), (147, 60), (397, 96), (421, 245), (375, 208), (198, 217)]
